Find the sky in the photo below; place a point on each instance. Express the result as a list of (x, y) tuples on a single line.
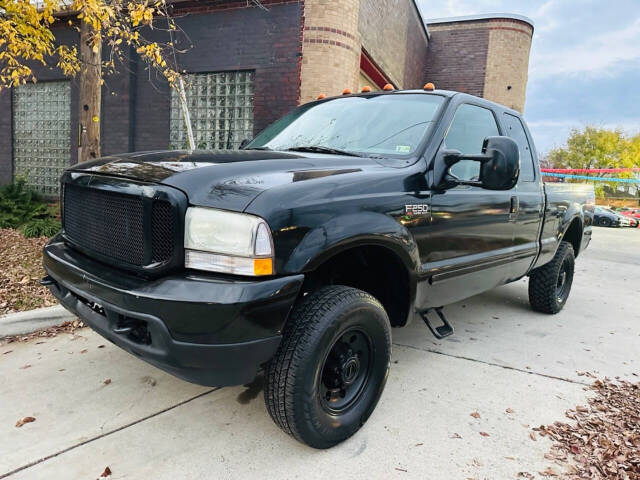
[(584, 67)]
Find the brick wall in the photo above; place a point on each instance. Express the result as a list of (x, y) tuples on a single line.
[(330, 49), (508, 62), (457, 56), (227, 36), (487, 57), (391, 32), (228, 39)]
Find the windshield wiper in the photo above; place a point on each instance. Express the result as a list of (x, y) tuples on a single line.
[(321, 149)]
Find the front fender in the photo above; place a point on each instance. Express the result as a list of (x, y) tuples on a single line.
[(351, 230)]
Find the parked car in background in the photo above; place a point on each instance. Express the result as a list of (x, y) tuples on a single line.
[(632, 214), (606, 218)]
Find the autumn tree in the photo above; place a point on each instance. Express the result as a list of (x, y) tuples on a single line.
[(26, 38), (595, 147)]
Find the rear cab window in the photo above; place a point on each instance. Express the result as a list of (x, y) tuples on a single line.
[(515, 130)]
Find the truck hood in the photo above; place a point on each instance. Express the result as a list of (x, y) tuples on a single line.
[(230, 180)]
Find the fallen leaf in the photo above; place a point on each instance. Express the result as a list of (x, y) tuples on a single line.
[(475, 415), (24, 420), (508, 410), (533, 437), (107, 381), (8, 351), (484, 434), (455, 435), (526, 475), (100, 346), (549, 472), (400, 469), (84, 351), (25, 366), (106, 473)]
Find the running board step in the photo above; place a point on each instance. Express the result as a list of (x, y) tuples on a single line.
[(443, 330)]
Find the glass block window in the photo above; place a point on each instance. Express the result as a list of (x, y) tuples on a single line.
[(41, 133), (220, 107)]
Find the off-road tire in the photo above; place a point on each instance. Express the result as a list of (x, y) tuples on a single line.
[(294, 376), (544, 293)]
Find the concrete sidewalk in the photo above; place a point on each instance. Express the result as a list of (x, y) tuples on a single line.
[(147, 424)]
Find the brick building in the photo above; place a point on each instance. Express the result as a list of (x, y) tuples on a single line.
[(247, 66)]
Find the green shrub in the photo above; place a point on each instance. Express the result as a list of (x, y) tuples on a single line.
[(40, 227), (24, 209)]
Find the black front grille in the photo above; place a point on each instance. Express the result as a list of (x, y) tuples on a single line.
[(112, 225), (163, 230)]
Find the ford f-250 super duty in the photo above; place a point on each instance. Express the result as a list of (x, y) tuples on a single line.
[(298, 253)]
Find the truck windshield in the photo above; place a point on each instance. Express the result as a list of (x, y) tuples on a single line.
[(375, 124)]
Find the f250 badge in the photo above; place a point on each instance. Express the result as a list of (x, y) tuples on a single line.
[(417, 209)]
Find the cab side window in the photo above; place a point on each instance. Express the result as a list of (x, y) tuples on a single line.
[(471, 125), (515, 130)]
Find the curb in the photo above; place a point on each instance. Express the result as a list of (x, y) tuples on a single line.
[(23, 323)]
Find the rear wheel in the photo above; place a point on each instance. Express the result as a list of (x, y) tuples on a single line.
[(550, 285), (605, 222), (331, 368)]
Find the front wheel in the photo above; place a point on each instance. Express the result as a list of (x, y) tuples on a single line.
[(549, 285), (605, 222), (331, 367)]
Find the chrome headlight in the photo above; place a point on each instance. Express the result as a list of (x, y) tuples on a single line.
[(227, 242)]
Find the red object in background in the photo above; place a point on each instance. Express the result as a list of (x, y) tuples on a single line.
[(635, 214), (372, 70), (590, 170), (630, 213)]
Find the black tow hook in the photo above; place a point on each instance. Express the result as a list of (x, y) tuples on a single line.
[(47, 280)]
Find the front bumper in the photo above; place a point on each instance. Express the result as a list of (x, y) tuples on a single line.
[(212, 330)]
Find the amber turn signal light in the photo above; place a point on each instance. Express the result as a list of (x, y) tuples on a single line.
[(366, 89), (346, 91), (388, 87), (263, 266), (429, 87), (321, 96)]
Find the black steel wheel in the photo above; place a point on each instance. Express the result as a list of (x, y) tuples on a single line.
[(331, 367), (550, 285), (345, 371)]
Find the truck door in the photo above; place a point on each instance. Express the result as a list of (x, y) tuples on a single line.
[(469, 247), (527, 219)]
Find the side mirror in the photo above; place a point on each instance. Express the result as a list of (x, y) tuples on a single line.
[(499, 165), (502, 169)]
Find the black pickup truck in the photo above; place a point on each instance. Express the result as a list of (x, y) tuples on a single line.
[(298, 253)]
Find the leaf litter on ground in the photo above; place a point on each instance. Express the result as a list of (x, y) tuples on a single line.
[(602, 439)]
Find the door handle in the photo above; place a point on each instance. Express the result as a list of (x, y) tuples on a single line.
[(515, 204)]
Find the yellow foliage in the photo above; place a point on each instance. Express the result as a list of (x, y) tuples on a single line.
[(25, 35)]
